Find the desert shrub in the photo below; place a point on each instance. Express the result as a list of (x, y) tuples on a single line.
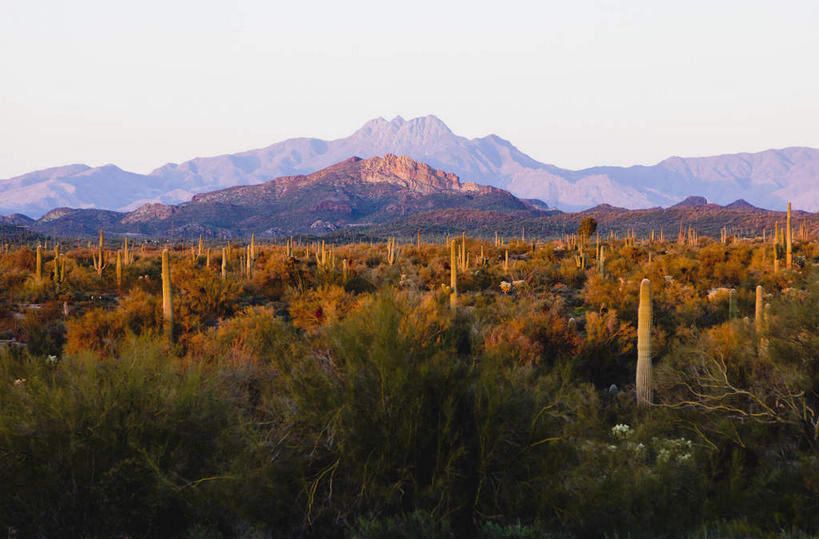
[(99, 330), (317, 307), (130, 445)]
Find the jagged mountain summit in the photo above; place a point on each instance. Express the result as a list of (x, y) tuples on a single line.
[(354, 192), (766, 179)]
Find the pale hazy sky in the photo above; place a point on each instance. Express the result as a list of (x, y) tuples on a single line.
[(573, 83)]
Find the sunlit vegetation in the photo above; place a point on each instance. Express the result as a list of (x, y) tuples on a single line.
[(412, 389)]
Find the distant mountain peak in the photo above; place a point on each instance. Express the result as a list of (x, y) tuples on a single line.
[(741, 204), (691, 201)]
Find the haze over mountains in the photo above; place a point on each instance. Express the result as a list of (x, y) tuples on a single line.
[(766, 179)]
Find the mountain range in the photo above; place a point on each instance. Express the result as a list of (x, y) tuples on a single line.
[(353, 193), (765, 179)]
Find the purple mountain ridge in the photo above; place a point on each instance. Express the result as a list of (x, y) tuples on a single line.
[(766, 179)]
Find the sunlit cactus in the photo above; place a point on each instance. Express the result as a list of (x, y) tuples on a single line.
[(224, 262), (732, 304), (453, 276), (759, 308), (644, 315), (99, 261), (167, 297), (789, 241), (56, 274), (38, 268), (119, 269)]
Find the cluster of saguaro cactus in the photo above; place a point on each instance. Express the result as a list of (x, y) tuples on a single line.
[(644, 315), (58, 275)]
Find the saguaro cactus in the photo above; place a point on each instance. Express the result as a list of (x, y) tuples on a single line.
[(759, 308), (167, 297), (38, 269), (99, 260), (732, 304), (644, 315), (119, 269), (453, 276), (224, 262), (789, 241), (56, 274)]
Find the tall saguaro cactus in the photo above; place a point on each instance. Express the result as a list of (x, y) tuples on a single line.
[(789, 241), (167, 297), (453, 276), (224, 262), (732, 304), (759, 308), (119, 269), (644, 315), (38, 268)]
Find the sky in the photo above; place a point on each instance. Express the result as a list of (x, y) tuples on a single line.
[(575, 84)]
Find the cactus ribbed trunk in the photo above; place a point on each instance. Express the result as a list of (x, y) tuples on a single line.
[(119, 269), (38, 269), (224, 262), (167, 297), (759, 308), (732, 304), (453, 276), (789, 241), (644, 315)]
